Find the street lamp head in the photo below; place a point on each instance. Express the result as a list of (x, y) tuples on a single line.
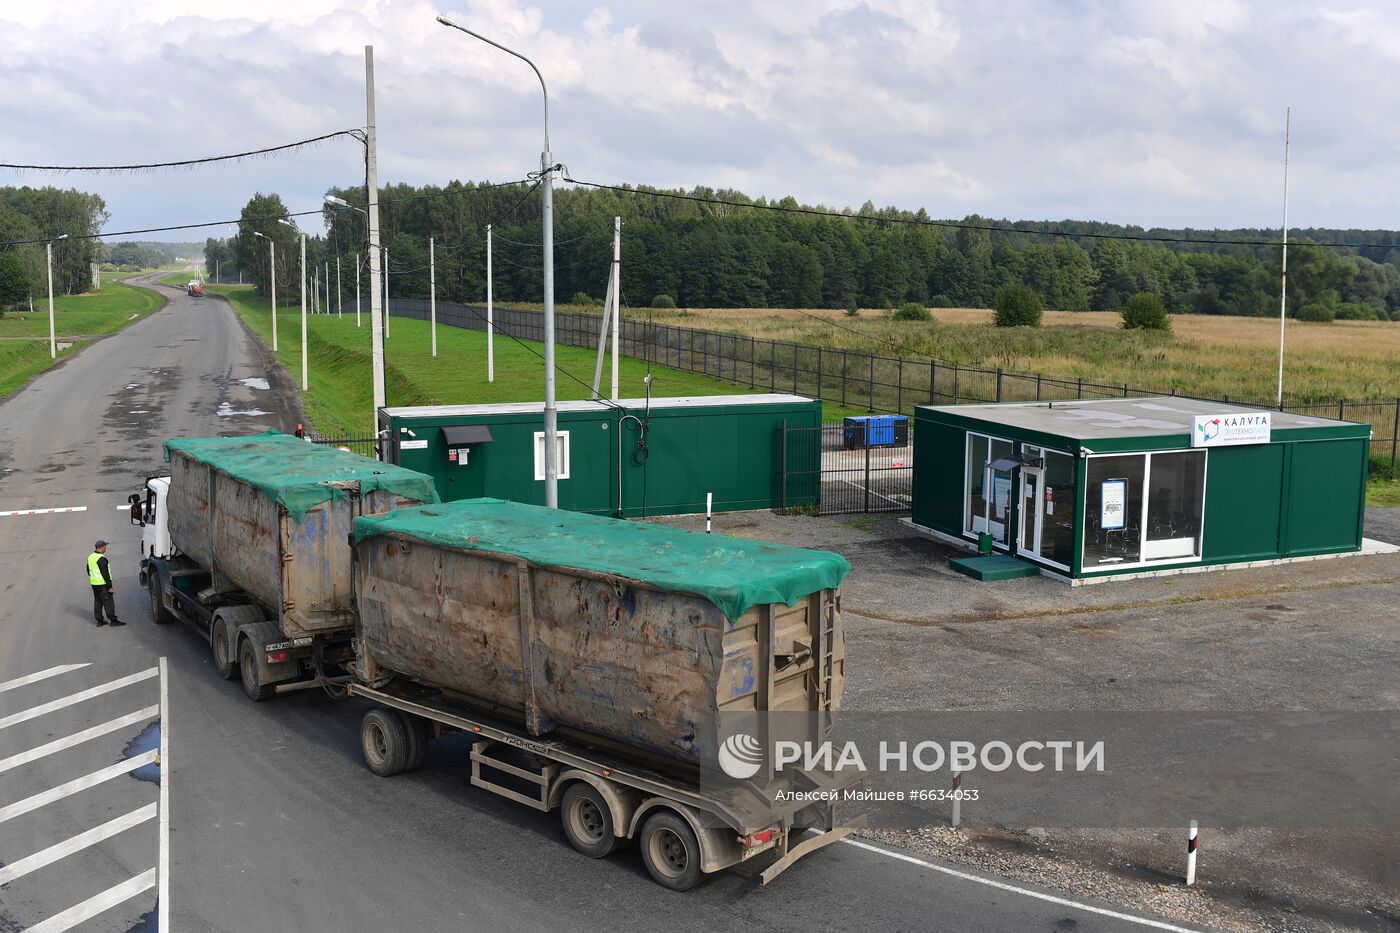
[(332, 199), (263, 235), (61, 236), (283, 220)]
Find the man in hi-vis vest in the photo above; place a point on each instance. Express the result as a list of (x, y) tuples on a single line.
[(99, 574)]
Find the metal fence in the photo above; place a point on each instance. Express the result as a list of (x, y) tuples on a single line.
[(821, 463), (364, 446), (855, 380)]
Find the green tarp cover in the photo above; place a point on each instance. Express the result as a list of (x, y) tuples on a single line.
[(732, 573), (295, 473)]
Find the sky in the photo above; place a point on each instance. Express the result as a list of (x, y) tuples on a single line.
[(1155, 112)]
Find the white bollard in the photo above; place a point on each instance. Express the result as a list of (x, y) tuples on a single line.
[(957, 798), (709, 504), (1191, 853)]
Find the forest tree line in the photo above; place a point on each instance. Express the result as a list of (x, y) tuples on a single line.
[(38, 214), (722, 255)]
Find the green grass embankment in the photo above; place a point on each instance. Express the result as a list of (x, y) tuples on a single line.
[(338, 399)]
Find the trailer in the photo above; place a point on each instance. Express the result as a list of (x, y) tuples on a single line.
[(246, 542), (683, 830)]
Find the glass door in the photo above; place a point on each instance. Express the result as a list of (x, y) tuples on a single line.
[(1031, 517)]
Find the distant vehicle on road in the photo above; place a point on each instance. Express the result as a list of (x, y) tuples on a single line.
[(195, 289)]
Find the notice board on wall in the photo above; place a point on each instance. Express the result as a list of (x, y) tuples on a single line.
[(1113, 504)]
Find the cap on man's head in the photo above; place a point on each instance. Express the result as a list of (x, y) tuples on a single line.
[(99, 544)]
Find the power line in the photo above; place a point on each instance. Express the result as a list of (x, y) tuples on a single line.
[(959, 225), (185, 163)]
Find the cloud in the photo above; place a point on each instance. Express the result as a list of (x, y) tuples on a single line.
[(1149, 113)]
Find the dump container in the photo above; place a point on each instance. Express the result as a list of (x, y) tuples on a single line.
[(272, 515), (862, 431), (636, 633)]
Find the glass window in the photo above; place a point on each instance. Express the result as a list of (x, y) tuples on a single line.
[(561, 454), (1175, 499), (976, 480), (1113, 511), (1057, 528)]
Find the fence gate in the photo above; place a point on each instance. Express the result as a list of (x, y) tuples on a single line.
[(833, 470)]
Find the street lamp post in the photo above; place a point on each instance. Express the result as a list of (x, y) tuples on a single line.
[(48, 256), (304, 380), (272, 267), (551, 465)]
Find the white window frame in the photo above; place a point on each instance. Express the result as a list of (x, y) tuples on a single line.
[(1035, 554), (562, 437), (1147, 456)]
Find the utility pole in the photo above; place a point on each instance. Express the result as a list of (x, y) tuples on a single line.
[(304, 381), (272, 281), (53, 339), (386, 293), (551, 420), (376, 324), (357, 289), (617, 296), (432, 292), (339, 300), (1283, 284), (490, 321)]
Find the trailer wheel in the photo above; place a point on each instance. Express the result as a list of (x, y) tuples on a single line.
[(159, 614), (670, 851), (384, 742), (416, 733), (587, 820), (248, 667), (224, 664)]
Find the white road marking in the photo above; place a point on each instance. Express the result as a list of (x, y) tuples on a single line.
[(19, 808), (163, 892), (77, 738), (95, 905), (41, 675), (76, 843), (863, 488), (71, 508), (79, 697), (1005, 886)]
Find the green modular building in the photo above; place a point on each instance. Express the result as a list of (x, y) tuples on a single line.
[(627, 458), (1090, 489)]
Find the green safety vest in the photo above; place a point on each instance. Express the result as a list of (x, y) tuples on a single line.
[(94, 571)]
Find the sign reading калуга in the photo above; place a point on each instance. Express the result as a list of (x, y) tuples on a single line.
[(1228, 430)]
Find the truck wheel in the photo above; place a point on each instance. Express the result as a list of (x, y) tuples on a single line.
[(415, 729), (224, 665), (670, 851), (384, 741), (248, 667), (587, 820), (159, 614)]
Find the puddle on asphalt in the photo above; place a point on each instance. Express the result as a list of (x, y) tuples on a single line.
[(255, 382), (133, 385), (226, 410), (148, 740)]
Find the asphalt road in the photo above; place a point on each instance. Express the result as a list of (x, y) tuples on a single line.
[(275, 823)]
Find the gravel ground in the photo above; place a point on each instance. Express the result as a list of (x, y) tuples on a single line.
[(1319, 635)]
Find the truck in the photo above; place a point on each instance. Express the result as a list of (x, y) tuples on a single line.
[(599, 667), (194, 288), (245, 542)]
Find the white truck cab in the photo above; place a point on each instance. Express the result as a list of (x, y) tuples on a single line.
[(152, 517)]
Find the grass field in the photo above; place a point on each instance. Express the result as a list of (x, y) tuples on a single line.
[(339, 396), (24, 345), (1205, 355), (100, 312)]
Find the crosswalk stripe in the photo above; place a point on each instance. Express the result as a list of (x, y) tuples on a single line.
[(93, 906), (28, 679), (79, 697), (58, 745), (21, 807), (76, 843)]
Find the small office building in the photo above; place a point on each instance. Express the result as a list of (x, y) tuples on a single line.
[(1090, 489), (633, 457)]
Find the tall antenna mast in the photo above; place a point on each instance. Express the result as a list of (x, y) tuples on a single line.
[(1283, 284)]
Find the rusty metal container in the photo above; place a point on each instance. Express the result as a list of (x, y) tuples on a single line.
[(255, 524), (639, 662)]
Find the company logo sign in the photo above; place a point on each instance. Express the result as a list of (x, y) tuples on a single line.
[(740, 756), (1230, 430)]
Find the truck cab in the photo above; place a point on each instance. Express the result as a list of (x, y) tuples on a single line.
[(150, 514)]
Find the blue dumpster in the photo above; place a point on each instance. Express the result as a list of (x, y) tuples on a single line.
[(862, 431)]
